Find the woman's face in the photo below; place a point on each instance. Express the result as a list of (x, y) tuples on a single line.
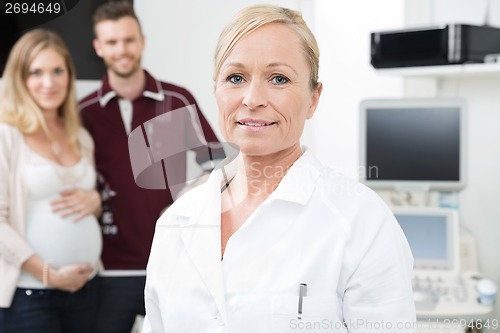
[(48, 80), (263, 92)]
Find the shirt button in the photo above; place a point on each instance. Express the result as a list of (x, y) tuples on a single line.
[(28, 292)]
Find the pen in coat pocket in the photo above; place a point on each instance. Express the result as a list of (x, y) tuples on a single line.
[(302, 293)]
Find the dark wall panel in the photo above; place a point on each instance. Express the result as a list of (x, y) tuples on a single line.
[(73, 22)]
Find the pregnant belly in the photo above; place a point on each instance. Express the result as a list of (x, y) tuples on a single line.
[(60, 241)]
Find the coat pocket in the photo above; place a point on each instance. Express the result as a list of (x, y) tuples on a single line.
[(319, 314)]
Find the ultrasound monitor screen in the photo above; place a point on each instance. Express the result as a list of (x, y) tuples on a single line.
[(413, 144), (427, 236)]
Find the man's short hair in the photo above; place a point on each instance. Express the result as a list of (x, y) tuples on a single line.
[(114, 10)]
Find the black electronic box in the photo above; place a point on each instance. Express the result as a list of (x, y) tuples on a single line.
[(439, 45)]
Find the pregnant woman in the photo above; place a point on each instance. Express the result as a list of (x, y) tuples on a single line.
[(50, 241)]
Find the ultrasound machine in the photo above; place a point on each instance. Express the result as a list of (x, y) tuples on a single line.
[(416, 148), (441, 289)]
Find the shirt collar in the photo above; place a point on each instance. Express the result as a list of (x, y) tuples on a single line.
[(297, 185), (151, 90)]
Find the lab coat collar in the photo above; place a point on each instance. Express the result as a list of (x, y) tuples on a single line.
[(296, 186), (299, 182)]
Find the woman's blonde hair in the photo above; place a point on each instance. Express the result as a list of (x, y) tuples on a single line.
[(251, 18), (17, 107)]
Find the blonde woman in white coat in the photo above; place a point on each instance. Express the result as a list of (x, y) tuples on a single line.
[(276, 242), (50, 241)]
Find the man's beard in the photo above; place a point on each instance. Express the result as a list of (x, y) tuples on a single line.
[(124, 75)]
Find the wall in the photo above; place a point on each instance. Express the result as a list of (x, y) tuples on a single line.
[(180, 42), (480, 210), (181, 38), (343, 30)]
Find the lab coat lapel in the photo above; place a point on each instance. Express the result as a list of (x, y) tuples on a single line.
[(201, 237)]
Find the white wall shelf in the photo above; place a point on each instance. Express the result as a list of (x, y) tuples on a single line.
[(467, 70)]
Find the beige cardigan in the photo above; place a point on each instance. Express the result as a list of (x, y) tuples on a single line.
[(13, 199)]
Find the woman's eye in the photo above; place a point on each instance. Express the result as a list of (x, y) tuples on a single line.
[(59, 71), (235, 79), (279, 80), (36, 72)]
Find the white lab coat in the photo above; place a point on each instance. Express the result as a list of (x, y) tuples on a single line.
[(317, 227)]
